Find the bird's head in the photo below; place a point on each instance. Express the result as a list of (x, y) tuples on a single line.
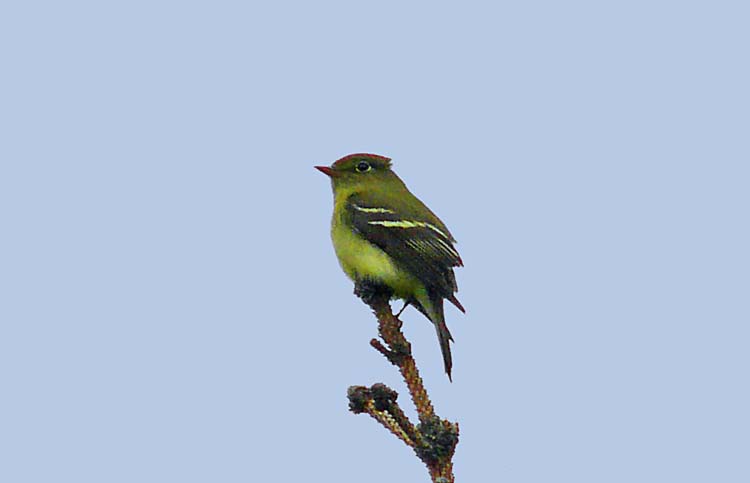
[(359, 171)]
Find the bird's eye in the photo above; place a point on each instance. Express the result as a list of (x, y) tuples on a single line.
[(363, 166)]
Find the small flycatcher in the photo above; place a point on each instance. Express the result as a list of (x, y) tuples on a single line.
[(384, 235)]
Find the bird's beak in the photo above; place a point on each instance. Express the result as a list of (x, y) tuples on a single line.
[(326, 170)]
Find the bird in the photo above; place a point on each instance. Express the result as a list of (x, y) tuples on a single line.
[(384, 235)]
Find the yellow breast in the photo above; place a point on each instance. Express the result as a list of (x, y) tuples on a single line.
[(361, 259)]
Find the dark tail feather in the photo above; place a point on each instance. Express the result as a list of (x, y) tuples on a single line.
[(452, 299), (444, 337), (438, 320)]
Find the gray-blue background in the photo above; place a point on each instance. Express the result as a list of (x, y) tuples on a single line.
[(171, 308)]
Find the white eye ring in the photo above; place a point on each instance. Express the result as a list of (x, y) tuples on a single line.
[(363, 167)]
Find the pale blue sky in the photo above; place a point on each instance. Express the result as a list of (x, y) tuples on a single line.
[(170, 305)]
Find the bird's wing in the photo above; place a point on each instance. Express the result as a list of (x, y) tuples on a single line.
[(420, 244)]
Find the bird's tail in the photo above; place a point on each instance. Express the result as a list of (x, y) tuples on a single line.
[(444, 335), (445, 338), (432, 308)]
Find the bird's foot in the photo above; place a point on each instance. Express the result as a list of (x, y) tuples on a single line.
[(406, 304)]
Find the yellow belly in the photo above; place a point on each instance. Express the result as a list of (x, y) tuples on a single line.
[(362, 260)]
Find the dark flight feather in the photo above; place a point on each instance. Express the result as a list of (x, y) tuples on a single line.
[(423, 247)]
